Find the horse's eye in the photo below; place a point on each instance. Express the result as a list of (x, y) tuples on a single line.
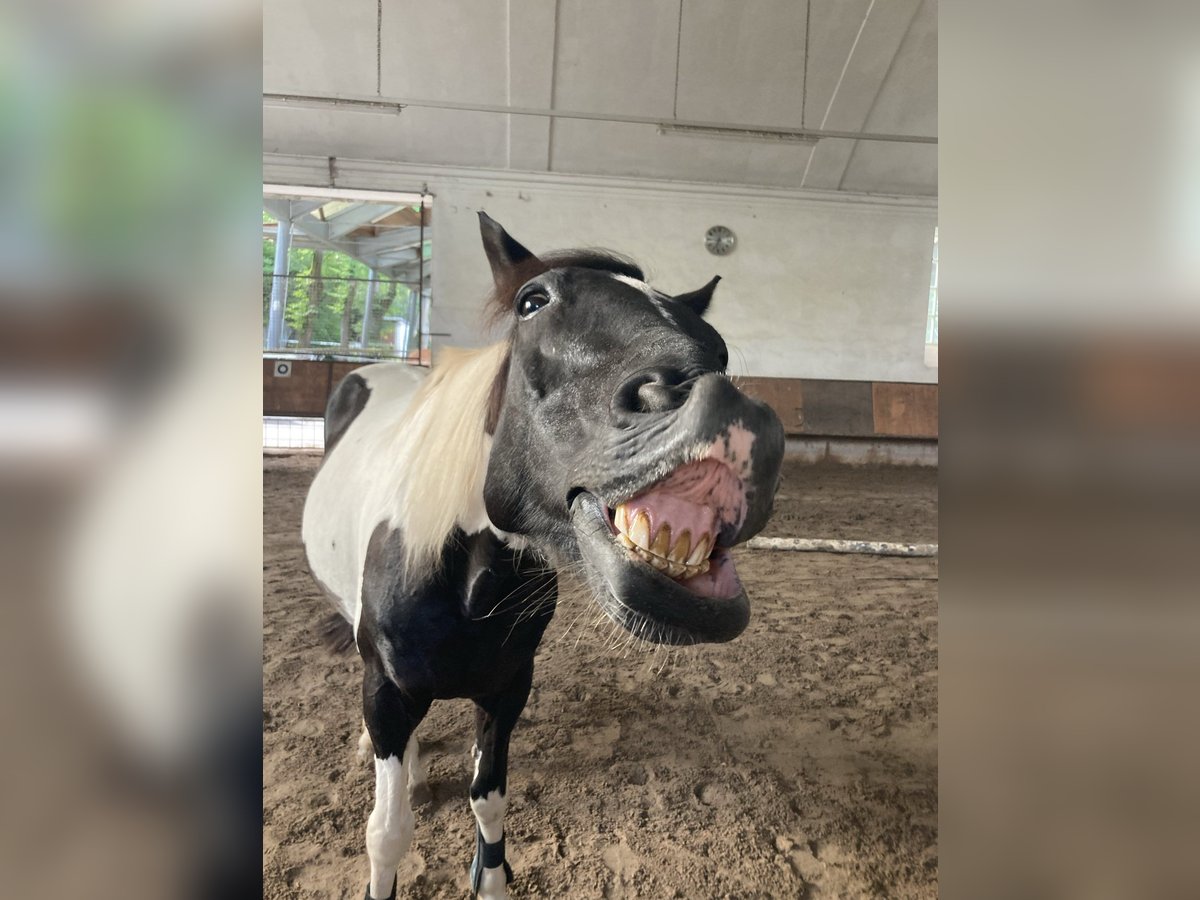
[(528, 304)]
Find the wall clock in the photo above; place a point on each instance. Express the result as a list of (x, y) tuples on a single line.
[(719, 240)]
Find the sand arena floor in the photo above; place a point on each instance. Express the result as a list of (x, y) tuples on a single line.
[(798, 761)]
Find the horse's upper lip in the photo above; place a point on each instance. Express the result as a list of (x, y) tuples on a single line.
[(702, 495)]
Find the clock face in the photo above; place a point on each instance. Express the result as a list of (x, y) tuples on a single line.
[(720, 240)]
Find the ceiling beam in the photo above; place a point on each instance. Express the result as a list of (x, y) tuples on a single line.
[(880, 35), (284, 208), (356, 216), (393, 239), (330, 102), (532, 32), (355, 173)]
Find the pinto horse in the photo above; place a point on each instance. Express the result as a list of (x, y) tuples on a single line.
[(601, 433)]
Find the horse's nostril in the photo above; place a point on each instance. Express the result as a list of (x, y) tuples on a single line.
[(657, 398), (652, 390)]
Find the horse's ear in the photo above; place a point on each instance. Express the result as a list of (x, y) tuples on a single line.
[(504, 253), (697, 301)]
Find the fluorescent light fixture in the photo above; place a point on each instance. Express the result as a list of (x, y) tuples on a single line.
[(770, 134), (740, 134), (341, 104)]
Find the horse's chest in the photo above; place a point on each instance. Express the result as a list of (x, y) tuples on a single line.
[(433, 644), (466, 632)]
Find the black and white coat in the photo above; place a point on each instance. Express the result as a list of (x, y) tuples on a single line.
[(446, 501)]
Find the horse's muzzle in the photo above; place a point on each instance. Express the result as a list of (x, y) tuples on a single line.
[(704, 473), (715, 421)]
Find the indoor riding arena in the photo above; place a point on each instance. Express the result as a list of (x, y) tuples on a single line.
[(787, 146)]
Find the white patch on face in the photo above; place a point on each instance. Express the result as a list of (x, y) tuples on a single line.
[(652, 295), (735, 448), (390, 825)]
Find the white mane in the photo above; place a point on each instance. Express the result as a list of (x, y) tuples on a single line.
[(441, 453)]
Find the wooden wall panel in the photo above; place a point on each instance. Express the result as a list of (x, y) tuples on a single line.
[(810, 407), (340, 370), (305, 390), (783, 395), (837, 408), (816, 408), (905, 410)]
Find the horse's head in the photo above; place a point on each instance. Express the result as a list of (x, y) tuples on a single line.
[(619, 442)]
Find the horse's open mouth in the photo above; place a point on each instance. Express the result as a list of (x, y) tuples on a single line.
[(679, 526), (664, 558)]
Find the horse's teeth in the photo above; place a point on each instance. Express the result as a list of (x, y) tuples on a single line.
[(621, 517), (634, 534), (683, 546), (639, 530), (662, 542)]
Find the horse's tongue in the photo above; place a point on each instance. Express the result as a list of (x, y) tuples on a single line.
[(721, 580)]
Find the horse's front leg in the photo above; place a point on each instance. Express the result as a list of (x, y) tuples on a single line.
[(495, 718), (391, 717)]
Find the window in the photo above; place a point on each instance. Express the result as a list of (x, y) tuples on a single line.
[(352, 278)]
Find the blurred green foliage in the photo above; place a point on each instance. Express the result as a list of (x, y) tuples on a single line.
[(316, 306)]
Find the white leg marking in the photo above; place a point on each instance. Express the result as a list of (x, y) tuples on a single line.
[(489, 813), (390, 826), (366, 750), (416, 769)]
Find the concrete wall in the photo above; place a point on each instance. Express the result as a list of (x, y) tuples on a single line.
[(817, 288)]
